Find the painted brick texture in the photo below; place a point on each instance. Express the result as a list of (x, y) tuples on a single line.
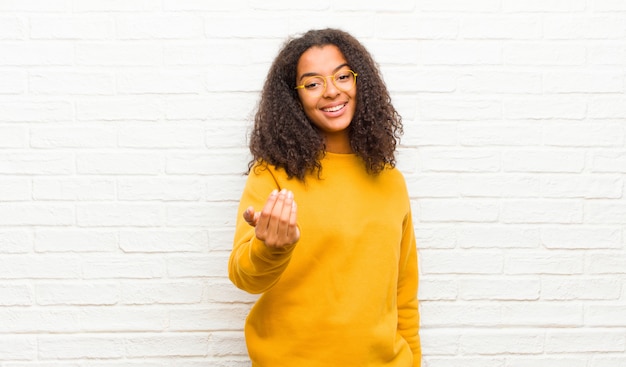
[(123, 142)]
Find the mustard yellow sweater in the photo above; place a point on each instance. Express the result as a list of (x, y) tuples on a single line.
[(346, 294)]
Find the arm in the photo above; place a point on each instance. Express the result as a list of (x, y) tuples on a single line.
[(408, 313), (265, 240)]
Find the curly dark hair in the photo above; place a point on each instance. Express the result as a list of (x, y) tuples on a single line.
[(283, 135)]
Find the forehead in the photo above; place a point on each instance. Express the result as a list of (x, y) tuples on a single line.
[(320, 59)]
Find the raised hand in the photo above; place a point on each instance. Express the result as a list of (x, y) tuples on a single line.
[(276, 225)]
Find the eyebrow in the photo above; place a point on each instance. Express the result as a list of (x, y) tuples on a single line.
[(316, 74)]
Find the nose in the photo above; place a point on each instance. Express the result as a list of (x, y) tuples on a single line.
[(331, 89)]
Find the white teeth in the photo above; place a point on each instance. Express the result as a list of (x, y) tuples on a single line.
[(333, 109)]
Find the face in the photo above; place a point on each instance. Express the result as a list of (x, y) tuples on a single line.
[(332, 109)]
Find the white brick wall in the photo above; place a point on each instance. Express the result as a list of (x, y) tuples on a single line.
[(123, 137)]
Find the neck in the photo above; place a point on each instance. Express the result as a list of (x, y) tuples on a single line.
[(338, 143)]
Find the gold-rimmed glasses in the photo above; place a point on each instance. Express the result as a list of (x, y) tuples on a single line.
[(315, 85)]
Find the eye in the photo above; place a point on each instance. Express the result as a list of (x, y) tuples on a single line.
[(313, 83)]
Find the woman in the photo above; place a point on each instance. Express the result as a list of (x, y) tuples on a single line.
[(338, 271)]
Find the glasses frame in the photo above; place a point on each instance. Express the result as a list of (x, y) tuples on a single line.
[(355, 74)]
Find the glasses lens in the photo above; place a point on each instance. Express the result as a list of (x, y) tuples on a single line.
[(344, 80), (315, 85)]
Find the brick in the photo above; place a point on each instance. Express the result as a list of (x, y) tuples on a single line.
[(76, 240), (568, 289), (243, 26), (585, 341), (582, 238), (429, 134), (123, 319), (201, 215), (607, 53), (132, 53), (583, 82), (226, 134), (433, 185), (124, 267), (605, 212), (201, 5), (169, 344), (37, 54), (213, 317), (39, 267), (545, 361), (461, 262), (589, 187), (437, 289), (227, 343), (218, 106), (543, 6), (35, 111), (543, 53), (16, 241), (435, 237), (163, 241), (160, 83), (214, 264), (609, 161), (139, 108), (135, 27), (13, 82), (225, 188), (542, 161), (80, 346), (415, 80), (27, 214), (36, 163), (608, 5), (396, 26), (15, 295), (568, 27), (459, 160), (606, 263), (212, 162), (505, 343), (75, 27), (451, 210), (542, 314), (35, 6), (12, 28), (607, 107), (584, 134), (466, 360), (540, 108), (71, 189), (71, 82), (440, 315), (159, 292), (154, 135), (119, 163), (15, 189), (498, 237), (392, 52), (77, 294), (18, 348), (458, 6), (116, 6), (533, 263), (542, 211), (499, 289), (501, 27), (113, 214), (509, 186), (461, 53), (151, 189), (500, 82), (605, 315), (38, 320), (440, 342), (73, 137)]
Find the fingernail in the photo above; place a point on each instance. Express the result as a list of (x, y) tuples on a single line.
[(283, 191), (290, 194), (274, 192)]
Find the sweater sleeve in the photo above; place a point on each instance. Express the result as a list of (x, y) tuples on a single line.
[(252, 266), (408, 313)]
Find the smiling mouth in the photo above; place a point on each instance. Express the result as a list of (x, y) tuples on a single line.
[(334, 108)]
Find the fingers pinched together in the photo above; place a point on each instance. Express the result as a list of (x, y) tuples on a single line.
[(276, 225)]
